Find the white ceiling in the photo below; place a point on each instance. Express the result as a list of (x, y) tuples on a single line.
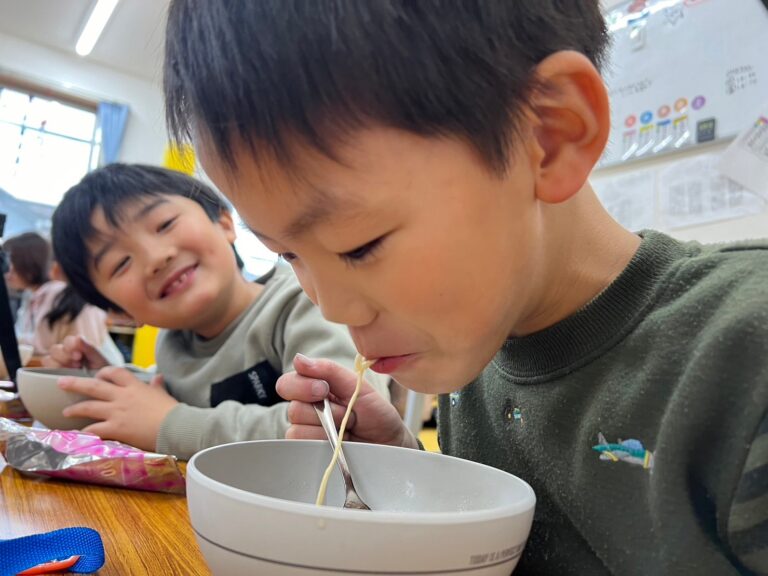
[(132, 41)]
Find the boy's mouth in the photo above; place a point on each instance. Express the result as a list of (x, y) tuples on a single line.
[(389, 364), (178, 281)]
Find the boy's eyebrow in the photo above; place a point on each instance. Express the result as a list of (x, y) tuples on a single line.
[(143, 211), (147, 208), (319, 209)]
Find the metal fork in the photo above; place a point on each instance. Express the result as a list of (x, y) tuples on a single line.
[(352, 498)]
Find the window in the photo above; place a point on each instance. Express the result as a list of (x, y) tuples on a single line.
[(46, 145), (257, 258)]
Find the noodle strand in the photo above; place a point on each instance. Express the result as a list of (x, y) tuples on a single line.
[(361, 365)]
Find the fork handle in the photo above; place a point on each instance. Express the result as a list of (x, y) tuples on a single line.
[(326, 419)]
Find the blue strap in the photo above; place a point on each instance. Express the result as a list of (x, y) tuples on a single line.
[(23, 553)]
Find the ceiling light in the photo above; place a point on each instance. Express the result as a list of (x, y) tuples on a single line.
[(95, 25)]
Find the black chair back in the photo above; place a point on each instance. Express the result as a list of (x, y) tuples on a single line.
[(9, 346)]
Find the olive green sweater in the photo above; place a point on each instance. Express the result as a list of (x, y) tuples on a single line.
[(639, 420)]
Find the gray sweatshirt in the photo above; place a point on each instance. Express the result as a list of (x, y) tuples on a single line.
[(226, 385)]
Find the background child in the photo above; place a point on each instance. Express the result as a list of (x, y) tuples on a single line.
[(423, 166), (157, 245), (51, 311)]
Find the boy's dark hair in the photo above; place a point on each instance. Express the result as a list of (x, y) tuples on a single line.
[(276, 73), (66, 307), (30, 256), (109, 189)]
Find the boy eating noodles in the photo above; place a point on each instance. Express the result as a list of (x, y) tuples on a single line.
[(423, 167), (157, 245)]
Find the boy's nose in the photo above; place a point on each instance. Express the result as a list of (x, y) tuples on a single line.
[(160, 261), (340, 304)]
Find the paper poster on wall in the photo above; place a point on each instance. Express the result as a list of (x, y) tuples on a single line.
[(693, 192), (683, 72), (629, 198), (746, 159)]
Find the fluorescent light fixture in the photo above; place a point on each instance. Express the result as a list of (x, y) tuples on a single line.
[(95, 26), (621, 21)]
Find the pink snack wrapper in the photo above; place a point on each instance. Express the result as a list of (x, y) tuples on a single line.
[(73, 455)]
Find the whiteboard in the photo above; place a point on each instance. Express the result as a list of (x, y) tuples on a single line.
[(682, 73)]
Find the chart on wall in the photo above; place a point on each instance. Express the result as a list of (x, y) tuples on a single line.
[(682, 73)]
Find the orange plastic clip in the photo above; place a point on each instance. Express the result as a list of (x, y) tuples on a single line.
[(51, 567)]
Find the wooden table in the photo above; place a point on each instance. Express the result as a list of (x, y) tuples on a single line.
[(143, 532)]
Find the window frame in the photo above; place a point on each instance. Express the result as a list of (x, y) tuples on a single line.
[(73, 101)]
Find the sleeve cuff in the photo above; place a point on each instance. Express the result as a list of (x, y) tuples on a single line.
[(181, 432)]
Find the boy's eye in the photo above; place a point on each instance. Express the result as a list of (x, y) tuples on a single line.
[(120, 266), (166, 224), (362, 253), (351, 257)]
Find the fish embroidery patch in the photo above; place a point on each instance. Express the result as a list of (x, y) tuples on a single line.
[(630, 451)]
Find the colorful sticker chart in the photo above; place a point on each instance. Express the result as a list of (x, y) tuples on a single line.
[(683, 73)]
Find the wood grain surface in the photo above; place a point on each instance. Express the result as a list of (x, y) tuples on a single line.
[(143, 532)]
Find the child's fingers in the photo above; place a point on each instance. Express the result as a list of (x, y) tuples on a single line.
[(301, 413), (59, 356), (293, 386), (56, 359), (71, 343), (118, 375), (73, 346), (93, 409), (341, 380), (101, 429), (96, 389), (303, 432), (76, 351)]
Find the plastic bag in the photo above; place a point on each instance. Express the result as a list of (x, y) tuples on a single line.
[(73, 455)]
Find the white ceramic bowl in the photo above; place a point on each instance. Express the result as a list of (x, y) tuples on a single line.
[(44, 400), (252, 509), (25, 353)]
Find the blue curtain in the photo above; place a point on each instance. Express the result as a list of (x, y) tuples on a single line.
[(112, 119)]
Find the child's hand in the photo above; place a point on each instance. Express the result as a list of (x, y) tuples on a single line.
[(373, 418), (74, 352), (130, 410)]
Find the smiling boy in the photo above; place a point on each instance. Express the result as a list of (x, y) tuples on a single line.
[(423, 167), (157, 245)]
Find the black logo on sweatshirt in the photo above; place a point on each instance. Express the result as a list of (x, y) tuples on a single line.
[(256, 385)]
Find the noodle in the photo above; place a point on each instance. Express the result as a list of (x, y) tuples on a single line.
[(361, 365)]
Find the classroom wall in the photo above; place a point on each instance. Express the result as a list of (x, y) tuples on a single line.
[(753, 226), (145, 136)]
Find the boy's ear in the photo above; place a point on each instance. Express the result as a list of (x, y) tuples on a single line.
[(570, 123), (227, 224)]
